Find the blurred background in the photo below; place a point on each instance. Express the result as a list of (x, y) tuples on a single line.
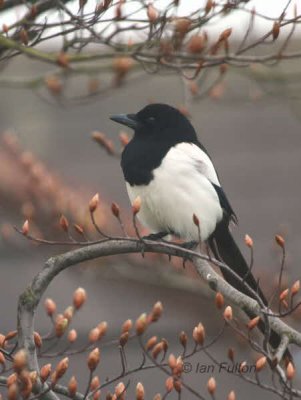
[(49, 165)]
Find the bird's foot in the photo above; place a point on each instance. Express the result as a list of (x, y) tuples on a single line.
[(189, 245)]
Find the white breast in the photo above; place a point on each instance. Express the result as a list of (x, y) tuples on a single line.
[(181, 187)]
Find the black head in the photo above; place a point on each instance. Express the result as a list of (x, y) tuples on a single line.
[(159, 121)]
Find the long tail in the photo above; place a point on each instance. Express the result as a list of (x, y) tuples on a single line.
[(225, 249)]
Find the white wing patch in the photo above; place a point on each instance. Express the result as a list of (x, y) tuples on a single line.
[(200, 158), (181, 187)]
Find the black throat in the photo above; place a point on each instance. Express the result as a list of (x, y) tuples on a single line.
[(140, 157)]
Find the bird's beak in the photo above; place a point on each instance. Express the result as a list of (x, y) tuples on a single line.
[(129, 120)]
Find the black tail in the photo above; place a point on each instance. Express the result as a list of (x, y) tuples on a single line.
[(225, 249)]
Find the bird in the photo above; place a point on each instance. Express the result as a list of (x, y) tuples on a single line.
[(173, 174)]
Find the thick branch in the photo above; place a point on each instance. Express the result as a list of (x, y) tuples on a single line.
[(30, 299)]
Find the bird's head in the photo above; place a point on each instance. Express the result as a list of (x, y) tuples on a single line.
[(159, 121)]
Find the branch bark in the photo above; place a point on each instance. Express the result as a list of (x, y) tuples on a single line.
[(30, 299)]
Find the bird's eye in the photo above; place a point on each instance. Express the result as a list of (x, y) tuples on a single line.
[(151, 120)]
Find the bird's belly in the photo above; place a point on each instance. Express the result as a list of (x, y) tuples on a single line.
[(169, 201)]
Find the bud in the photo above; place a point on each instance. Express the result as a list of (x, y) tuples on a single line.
[(123, 339), (196, 44), (72, 336), (24, 36), (63, 60), (96, 395), (68, 313), (53, 378), (228, 314), (10, 335), (225, 34), (79, 297), (136, 205), (33, 377), (199, 334), (11, 379), (151, 343), (253, 323), (231, 395), (211, 385), (140, 391), (118, 11), (242, 365), (25, 228), (141, 324), (127, 326), (115, 210), (93, 204), (280, 241), (54, 85), (122, 65), (2, 359), (72, 386), (248, 241), (93, 359), (276, 30), (182, 26), (62, 367), (120, 391), (169, 384), (183, 338), (13, 392), (45, 372), (102, 140), (94, 335), (95, 383), (208, 7), (26, 384), (283, 294), (196, 221), (177, 385), (219, 300), (5, 28), (79, 229), (179, 366), (33, 11), (157, 349), (2, 341), (260, 363), (37, 340), (290, 371), (152, 13), (164, 345), (295, 288), (50, 307), (20, 360), (172, 362), (156, 311), (193, 87), (102, 327), (64, 223), (124, 138), (61, 324)]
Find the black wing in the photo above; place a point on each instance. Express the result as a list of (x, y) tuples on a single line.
[(225, 203)]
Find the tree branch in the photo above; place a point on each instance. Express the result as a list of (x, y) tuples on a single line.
[(30, 299)]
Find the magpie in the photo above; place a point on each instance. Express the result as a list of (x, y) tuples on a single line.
[(172, 172)]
